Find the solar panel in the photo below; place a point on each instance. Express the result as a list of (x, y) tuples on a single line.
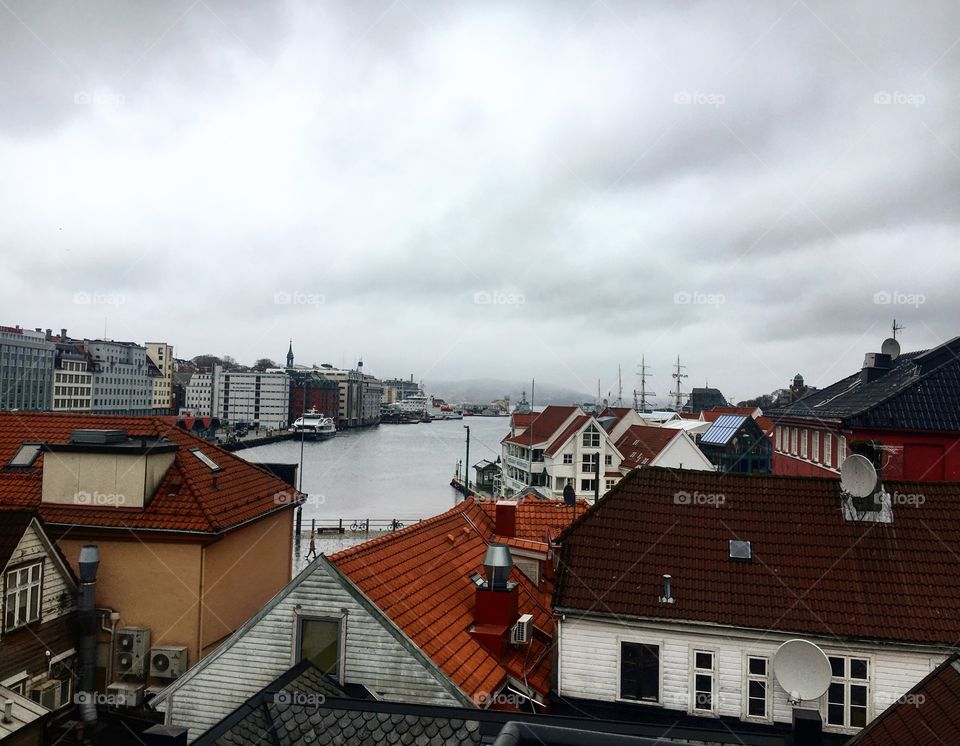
[(724, 428)]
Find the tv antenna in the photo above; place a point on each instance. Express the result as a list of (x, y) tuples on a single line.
[(641, 405), (678, 375), (619, 386), (896, 328)]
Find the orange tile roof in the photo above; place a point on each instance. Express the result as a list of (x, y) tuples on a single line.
[(640, 444), (191, 497), (420, 578)]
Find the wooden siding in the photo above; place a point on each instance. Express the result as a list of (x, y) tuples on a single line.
[(373, 658), (589, 651), (58, 592)]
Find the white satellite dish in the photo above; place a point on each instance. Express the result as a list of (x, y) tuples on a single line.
[(802, 669), (858, 477), (890, 347)]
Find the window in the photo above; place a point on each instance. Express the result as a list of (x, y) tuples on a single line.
[(779, 438), (591, 437), (318, 640), (848, 692), (640, 671), (828, 449), (701, 685), (587, 485), (842, 450), (758, 688), (803, 443), (610, 484), (816, 445), (608, 460), (588, 461), (568, 458), (22, 595), (793, 441)]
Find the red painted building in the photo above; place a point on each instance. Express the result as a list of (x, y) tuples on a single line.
[(901, 410), (321, 394)]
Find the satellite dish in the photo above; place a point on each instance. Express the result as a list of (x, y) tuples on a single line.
[(802, 669), (890, 347), (858, 477)]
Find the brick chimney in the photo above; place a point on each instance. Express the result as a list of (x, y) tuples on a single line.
[(496, 601), (506, 518)]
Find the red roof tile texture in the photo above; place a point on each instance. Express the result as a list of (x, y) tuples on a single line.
[(561, 440), (813, 571), (544, 426), (640, 444), (191, 497), (420, 578), (928, 713)]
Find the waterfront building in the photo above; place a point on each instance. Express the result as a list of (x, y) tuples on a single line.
[(120, 382), (26, 369), (200, 393), (252, 397), (311, 391), (397, 389), (160, 355), (360, 395)]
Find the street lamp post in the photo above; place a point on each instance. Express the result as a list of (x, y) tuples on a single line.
[(466, 464)]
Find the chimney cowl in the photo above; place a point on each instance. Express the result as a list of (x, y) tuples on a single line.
[(497, 562), (89, 562)]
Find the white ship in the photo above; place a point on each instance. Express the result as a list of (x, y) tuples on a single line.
[(315, 426)]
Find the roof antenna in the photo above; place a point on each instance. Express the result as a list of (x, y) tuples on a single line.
[(897, 328)]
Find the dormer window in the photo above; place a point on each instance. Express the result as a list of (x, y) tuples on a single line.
[(21, 595)]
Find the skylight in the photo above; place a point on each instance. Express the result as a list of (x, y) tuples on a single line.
[(25, 455), (742, 551), (206, 459)]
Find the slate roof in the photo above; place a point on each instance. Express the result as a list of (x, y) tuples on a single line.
[(191, 497), (928, 713), (920, 391), (641, 444), (813, 572), (420, 578)]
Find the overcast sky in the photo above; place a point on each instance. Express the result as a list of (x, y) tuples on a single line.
[(515, 190)]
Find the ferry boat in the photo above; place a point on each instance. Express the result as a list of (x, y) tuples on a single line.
[(314, 425)]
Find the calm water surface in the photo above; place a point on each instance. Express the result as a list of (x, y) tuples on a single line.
[(386, 472)]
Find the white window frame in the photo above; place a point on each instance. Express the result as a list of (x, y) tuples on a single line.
[(659, 644), (611, 483), (828, 449), (320, 616), (694, 671), (568, 458), (804, 436), (816, 447), (768, 689), (31, 586), (17, 683), (793, 441), (590, 432), (842, 450), (780, 438), (847, 681)]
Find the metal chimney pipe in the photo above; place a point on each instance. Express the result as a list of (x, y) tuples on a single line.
[(89, 562), (667, 596), (7, 711)]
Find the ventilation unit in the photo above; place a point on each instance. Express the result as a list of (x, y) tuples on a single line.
[(125, 694), (168, 662), (132, 646), (520, 632), (47, 694)]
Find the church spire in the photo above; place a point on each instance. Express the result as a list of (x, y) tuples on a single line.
[(290, 355)]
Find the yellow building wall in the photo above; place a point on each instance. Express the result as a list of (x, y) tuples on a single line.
[(241, 572)]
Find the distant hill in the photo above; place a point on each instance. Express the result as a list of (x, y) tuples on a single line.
[(485, 390)]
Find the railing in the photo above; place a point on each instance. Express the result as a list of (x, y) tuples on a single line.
[(360, 525)]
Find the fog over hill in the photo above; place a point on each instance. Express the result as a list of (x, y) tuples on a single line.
[(484, 390)]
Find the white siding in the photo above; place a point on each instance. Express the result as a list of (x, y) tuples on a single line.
[(373, 658), (588, 663), (59, 596), (683, 451)]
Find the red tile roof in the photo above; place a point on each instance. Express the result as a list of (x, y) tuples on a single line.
[(191, 496), (640, 444), (928, 713), (813, 571), (420, 578), (561, 440), (543, 427)]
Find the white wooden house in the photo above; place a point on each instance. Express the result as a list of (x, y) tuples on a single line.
[(877, 591)]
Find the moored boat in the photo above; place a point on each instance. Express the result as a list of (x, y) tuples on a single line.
[(314, 425)]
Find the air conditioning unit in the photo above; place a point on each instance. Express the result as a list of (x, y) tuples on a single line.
[(520, 632), (168, 662), (125, 694), (133, 643)]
